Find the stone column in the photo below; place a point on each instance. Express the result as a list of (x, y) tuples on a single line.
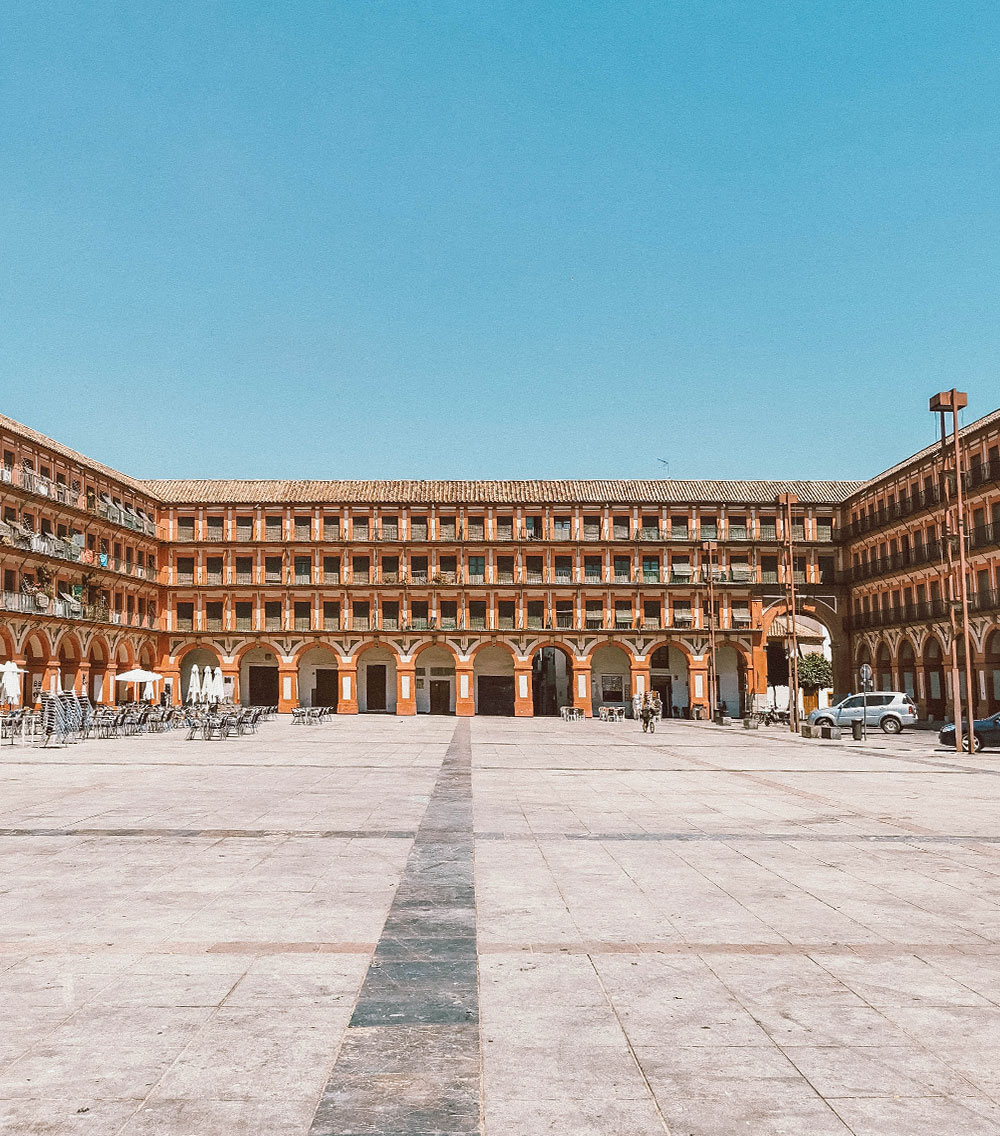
[(347, 681), (465, 699), (581, 687), (524, 706), (406, 688)]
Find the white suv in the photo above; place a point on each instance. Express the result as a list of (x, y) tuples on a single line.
[(890, 710)]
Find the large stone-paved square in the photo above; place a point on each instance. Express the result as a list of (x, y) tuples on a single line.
[(503, 926)]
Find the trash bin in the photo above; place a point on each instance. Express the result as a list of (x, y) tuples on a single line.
[(857, 729)]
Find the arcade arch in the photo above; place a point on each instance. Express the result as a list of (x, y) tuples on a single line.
[(551, 680), (610, 676), (668, 669), (435, 680), (493, 681), (200, 657), (318, 676), (259, 676), (377, 680), (934, 684)]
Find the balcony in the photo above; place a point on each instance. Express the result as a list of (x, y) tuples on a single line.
[(16, 536), (738, 532), (505, 577), (360, 623), (623, 578), (477, 578), (649, 534), (66, 609), (65, 495)]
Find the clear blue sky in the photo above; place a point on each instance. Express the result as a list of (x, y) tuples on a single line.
[(456, 238)]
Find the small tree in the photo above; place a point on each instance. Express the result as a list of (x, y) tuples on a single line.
[(815, 671)]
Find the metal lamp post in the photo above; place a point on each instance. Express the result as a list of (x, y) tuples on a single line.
[(951, 402), (709, 548), (785, 502)]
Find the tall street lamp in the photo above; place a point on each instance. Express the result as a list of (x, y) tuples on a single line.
[(943, 403), (785, 502), (709, 549)]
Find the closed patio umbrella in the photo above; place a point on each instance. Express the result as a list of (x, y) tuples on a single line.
[(194, 685), (147, 692), (10, 682), (218, 685)]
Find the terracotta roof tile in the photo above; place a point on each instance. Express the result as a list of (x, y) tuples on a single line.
[(611, 492), (22, 431)]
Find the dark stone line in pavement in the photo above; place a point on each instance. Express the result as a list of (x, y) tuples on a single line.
[(744, 837), (221, 833), (409, 1064)]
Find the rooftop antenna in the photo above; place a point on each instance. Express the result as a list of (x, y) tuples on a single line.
[(664, 461)]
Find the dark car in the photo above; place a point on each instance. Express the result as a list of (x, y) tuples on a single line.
[(985, 732)]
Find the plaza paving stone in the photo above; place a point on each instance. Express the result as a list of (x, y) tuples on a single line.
[(499, 926)]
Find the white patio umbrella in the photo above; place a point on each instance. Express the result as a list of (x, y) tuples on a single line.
[(137, 675), (218, 685), (10, 682), (147, 692), (194, 685)]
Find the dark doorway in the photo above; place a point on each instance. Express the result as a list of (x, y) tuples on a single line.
[(376, 687), (664, 686), (325, 692), (440, 696), (496, 695), (263, 686), (545, 684), (777, 663)]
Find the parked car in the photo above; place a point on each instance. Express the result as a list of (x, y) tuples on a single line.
[(890, 710), (985, 732)]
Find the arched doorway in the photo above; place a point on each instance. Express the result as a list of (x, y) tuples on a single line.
[(908, 669), (318, 674), (933, 660), (435, 680), (883, 668), (993, 672), (377, 681), (259, 676), (730, 680), (551, 681), (668, 670), (200, 657), (493, 680), (610, 677)]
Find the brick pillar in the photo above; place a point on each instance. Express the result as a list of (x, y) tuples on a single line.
[(465, 698), (51, 679), (288, 687), (581, 688), (173, 673), (524, 706), (406, 688), (640, 678), (698, 687), (230, 671), (111, 685), (347, 693)]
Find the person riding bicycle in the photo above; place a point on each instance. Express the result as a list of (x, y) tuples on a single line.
[(647, 714)]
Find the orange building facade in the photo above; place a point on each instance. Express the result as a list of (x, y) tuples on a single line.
[(897, 536), (514, 597)]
